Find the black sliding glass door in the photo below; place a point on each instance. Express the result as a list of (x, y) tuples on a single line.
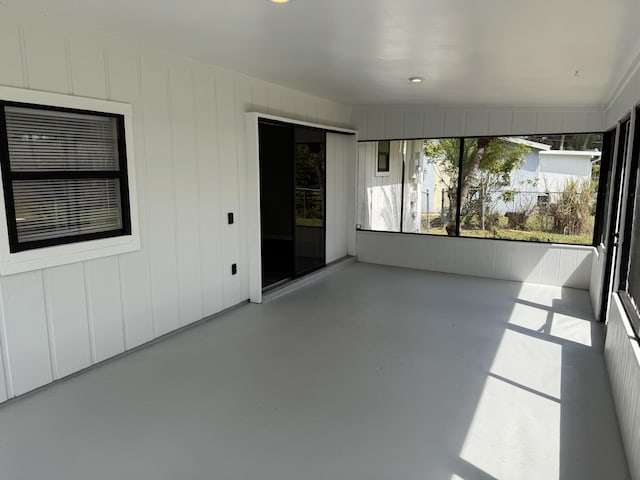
[(310, 167), (276, 202), (292, 200)]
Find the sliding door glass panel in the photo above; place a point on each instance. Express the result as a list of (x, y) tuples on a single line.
[(537, 188), (276, 202), (310, 168)]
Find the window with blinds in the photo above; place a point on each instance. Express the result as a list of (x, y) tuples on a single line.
[(64, 175)]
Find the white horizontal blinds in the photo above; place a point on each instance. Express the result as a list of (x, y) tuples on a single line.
[(55, 208), (65, 174), (47, 140)]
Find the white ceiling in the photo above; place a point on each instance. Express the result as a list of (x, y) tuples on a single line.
[(471, 52)]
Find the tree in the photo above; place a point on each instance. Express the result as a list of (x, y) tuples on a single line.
[(578, 141), (487, 162)]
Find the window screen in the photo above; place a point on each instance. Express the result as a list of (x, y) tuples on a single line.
[(64, 176)]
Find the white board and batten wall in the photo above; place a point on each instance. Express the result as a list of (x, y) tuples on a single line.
[(412, 122), (622, 351), (190, 152)]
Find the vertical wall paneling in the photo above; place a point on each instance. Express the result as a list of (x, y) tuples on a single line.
[(11, 71), (359, 118), (105, 306), (550, 122), (413, 123), (623, 363), (499, 122), (322, 112), (288, 106), (524, 122), (242, 96), (3, 385), (300, 107), (125, 84), (575, 122), (160, 194), (622, 352), (454, 123), (67, 319), (6, 387), (86, 59), (351, 187), (338, 211), (274, 100), (27, 333), (225, 97), (185, 172), (210, 213), (189, 149), (394, 124), (375, 124), (260, 98), (517, 261), (477, 123), (433, 124), (47, 59)]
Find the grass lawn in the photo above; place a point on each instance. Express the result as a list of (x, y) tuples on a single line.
[(504, 233)]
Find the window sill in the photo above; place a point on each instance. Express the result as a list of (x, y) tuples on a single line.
[(37, 259)]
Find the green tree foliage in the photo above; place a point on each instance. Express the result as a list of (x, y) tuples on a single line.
[(487, 162), (578, 141)]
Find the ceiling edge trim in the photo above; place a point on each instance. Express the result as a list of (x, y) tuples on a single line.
[(631, 71)]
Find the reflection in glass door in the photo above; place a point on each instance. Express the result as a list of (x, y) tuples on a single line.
[(310, 181)]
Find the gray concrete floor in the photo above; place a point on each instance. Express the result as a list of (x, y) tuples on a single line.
[(371, 373)]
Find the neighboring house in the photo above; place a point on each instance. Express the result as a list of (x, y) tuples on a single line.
[(543, 172), (380, 178)]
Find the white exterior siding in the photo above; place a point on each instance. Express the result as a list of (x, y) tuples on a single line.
[(190, 148)]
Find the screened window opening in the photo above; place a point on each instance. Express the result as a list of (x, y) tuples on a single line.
[(64, 175), (541, 188)]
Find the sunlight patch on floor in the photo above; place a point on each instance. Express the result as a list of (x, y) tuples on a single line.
[(573, 329), (515, 431)]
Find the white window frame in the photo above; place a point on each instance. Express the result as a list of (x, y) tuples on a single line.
[(39, 258)]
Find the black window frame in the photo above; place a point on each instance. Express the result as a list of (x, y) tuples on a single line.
[(604, 182), (8, 176), (599, 198), (631, 229), (386, 156)]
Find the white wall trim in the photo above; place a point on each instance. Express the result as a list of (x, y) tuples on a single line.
[(634, 67), (333, 128)]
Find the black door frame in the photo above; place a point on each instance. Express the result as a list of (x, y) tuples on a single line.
[(613, 216)]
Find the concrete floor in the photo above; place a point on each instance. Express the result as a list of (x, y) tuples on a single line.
[(371, 373)]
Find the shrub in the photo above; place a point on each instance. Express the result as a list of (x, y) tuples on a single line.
[(573, 210)]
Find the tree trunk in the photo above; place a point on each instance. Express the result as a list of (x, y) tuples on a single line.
[(483, 143)]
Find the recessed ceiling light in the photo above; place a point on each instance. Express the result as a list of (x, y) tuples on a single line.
[(279, 1), (416, 79)]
